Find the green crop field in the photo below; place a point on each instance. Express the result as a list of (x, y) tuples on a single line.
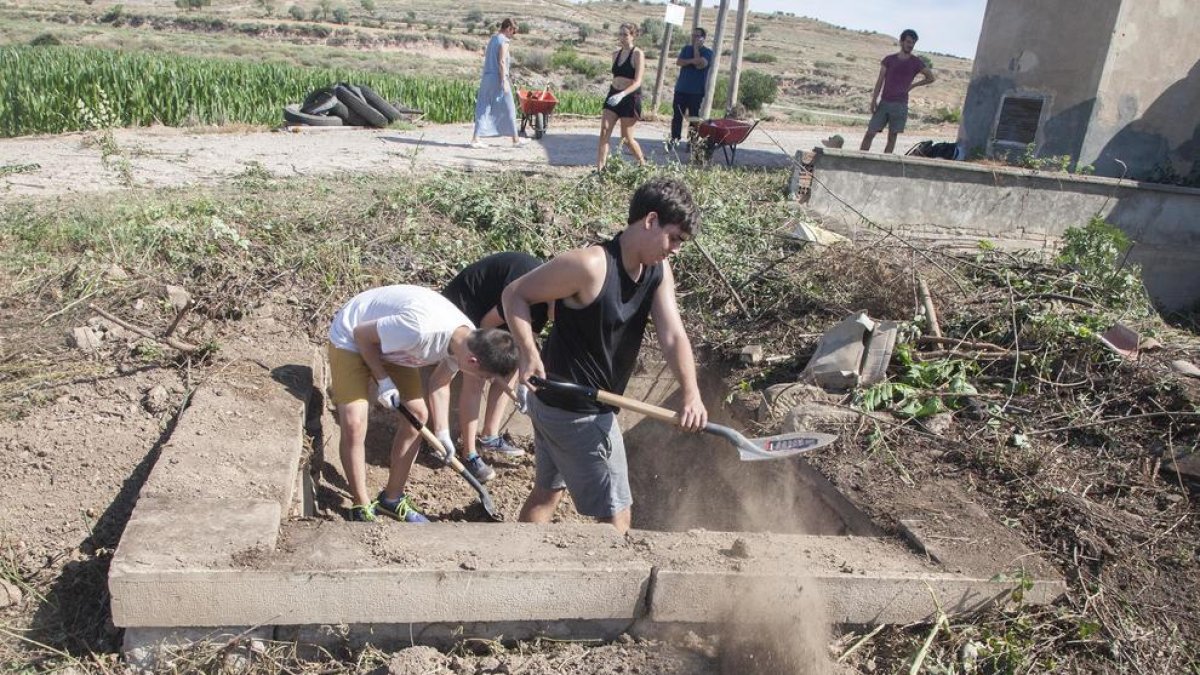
[(58, 89)]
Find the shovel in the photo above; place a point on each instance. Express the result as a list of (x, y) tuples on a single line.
[(484, 498), (749, 449)]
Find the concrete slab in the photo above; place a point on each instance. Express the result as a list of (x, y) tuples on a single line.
[(853, 579), (839, 355), (242, 439), (375, 574)]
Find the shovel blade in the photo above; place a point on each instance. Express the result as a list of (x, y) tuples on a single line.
[(784, 445), (771, 447)]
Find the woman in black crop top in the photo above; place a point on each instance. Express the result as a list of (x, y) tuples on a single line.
[(624, 102)]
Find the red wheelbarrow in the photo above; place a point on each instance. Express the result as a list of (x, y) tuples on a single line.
[(536, 107), (724, 133)]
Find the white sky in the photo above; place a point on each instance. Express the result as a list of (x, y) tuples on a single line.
[(947, 26)]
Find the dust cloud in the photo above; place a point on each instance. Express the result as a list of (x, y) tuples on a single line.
[(682, 481)]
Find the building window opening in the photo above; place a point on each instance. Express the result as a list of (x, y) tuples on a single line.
[(1019, 118)]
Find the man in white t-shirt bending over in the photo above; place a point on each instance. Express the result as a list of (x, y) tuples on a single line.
[(386, 334)]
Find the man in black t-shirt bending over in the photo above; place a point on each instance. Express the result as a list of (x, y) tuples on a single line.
[(476, 291)]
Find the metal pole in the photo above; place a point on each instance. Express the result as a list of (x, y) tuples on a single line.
[(696, 15), (662, 70), (710, 87), (735, 61)]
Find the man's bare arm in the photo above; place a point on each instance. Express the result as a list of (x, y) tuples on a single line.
[(677, 349), (926, 78), (878, 87), (366, 336), (575, 276)]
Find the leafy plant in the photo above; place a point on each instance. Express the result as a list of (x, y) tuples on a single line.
[(922, 389), (1097, 252)]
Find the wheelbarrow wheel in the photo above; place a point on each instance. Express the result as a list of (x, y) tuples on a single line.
[(524, 123), (540, 120)]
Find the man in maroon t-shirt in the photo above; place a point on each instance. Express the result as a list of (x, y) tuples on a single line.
[(896, 74)]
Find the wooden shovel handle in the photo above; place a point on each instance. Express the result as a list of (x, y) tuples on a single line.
[(609, 398)]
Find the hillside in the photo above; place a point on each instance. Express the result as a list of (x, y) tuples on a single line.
[(818, 66)]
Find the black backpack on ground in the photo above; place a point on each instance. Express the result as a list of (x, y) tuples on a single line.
[(945, 150)]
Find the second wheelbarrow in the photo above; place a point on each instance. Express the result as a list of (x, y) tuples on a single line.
[(724, 133)]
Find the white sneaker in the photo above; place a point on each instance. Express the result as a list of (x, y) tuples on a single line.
[(479, 144), (501, 445)]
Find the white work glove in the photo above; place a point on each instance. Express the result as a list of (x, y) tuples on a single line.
[(448, 443), (616, 98), (389, 396), (522, 403)]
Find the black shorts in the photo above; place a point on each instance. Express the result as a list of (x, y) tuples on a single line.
[(630, 106)]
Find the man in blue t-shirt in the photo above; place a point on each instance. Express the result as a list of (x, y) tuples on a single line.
[(693, 64)]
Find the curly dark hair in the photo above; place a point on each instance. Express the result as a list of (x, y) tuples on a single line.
[(671, 199)]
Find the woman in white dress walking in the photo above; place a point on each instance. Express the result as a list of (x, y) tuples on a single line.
[(495, 112)]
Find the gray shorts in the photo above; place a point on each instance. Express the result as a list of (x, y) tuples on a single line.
[(584, 454), (892, 113)]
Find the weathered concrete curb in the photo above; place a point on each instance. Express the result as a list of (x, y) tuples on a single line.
[(943, 200)]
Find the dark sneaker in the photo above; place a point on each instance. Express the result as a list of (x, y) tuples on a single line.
[(501, 445), (401, 509), (363, 513), (478, 468)]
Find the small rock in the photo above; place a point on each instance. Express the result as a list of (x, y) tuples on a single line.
[(417, 661), (85, 339), (177, 296), (939, 424), (490, 664), (740, 548), (292, 300), (139, 305), (157, 400), (468, 565), (116, 272), (1150, 345), (10, 595), (1186, 368), (751, 354)]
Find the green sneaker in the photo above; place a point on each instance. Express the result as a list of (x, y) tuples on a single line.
[(363, 513), (401, 509)]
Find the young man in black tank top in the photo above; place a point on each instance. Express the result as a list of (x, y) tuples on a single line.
[(603, 296)]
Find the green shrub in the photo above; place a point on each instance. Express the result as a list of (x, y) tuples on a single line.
[(568, 58), (45, 40), (652, 31), (341, 15), (755, 89), (474, 16), (945, 115), (296, 12), (760, 57)]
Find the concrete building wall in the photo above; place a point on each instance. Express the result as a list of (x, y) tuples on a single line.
[(1032, 47), (1147, 112)]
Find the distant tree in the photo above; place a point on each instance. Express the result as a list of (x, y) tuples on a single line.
[(753, 30), (189, 5), (584, 32), (341, 15), (326, 8), (368, 6), (314, 13), (296, 12), (267, 6), (475, 16)]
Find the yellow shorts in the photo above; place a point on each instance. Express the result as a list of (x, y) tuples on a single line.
[(350, 378)]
